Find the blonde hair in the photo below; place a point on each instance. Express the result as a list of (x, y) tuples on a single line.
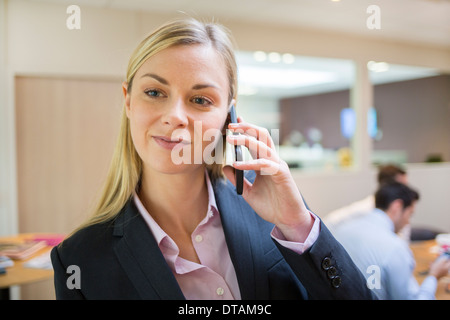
[(126, 167)]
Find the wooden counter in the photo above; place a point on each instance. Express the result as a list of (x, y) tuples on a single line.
[(425, 252)]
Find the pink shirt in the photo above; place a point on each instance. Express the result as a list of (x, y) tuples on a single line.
[(214, 277)]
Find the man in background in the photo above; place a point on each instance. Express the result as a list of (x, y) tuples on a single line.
[(386, 174), (374, 246)]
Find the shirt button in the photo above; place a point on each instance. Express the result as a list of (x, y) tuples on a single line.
[(220, 291), (198, 238)]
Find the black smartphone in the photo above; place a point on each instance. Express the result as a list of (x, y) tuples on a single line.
[(238, 174)]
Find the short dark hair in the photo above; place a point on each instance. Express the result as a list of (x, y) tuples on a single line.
[(390, 192), (388, 173)]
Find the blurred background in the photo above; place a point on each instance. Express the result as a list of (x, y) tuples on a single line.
[(344, 86)]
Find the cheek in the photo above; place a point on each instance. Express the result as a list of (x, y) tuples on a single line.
[(140, 121), (140, 117), (408, 216), (404, 219), (211, 128)]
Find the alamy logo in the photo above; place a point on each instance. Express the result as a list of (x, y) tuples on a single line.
[(374, 20), (73, 22), (73, 281), (191, 149), (374, 280)]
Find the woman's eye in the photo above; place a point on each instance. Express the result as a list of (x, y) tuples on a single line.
[(202, 101), (153, 93)]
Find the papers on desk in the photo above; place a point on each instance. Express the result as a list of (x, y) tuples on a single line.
[(50, 239), (20, 251), (42, 261), (5, 262), (443, 241)]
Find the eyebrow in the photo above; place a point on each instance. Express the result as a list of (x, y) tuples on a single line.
[(165, 82), (156, 77), (202, 86)]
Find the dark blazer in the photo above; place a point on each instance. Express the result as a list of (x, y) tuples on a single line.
[(120, 259)]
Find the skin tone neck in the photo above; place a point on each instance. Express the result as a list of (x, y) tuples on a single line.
[(173, 195), (399, 215), (178, 203)]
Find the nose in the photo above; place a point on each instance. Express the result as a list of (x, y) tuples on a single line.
[(175, 114)]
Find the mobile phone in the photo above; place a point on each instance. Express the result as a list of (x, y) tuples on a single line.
[(238, 174)]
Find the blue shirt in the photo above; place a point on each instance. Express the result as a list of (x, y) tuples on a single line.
[(383, 257)]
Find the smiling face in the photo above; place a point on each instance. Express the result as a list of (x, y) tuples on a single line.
[(174, 89)]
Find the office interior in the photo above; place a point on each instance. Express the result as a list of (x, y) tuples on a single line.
[(340, 95)]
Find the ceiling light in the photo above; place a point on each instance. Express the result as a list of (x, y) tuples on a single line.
[(259, 56), (288, 58), (274, 57), (377, 66)]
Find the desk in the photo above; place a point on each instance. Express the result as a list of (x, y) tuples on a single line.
[(425, 253), (18, 274)]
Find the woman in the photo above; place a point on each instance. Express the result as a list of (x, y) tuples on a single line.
[(171, 229)]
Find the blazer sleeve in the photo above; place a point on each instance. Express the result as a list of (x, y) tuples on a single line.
[(326, 270), (61, 277)]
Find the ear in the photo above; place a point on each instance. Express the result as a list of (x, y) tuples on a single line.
[(395, 209), (397, 204), (126, 96)]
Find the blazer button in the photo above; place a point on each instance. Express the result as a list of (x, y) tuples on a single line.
[(331, 272), (336, 282), (326, 263)]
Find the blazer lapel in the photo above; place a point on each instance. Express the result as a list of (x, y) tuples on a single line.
[(240, 225), (140, 257)]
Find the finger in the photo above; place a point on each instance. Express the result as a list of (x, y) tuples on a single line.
[(257, 148), (260, 133), (264, 166)]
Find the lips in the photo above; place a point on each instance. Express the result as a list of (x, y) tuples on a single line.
[(170, 143)]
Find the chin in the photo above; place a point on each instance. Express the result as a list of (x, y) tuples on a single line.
[(168, 167)]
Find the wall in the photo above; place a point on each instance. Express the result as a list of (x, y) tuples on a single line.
[(301, 113), (327, 191), (413, 115), (7, 201), (261, 110), (39, 41), (66, 132)]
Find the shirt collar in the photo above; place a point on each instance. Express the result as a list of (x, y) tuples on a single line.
[(212, 206)]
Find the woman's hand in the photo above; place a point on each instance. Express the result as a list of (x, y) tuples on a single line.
[(273, 194)]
